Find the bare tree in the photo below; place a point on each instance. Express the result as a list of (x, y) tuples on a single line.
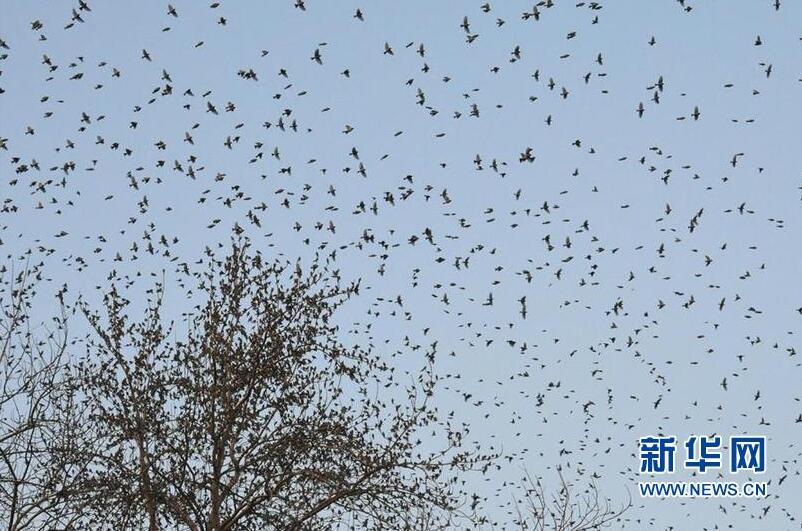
[(567, 509), (258, 416), (34, 480)]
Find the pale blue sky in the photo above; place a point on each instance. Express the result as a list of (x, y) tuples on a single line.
[(680, 354)]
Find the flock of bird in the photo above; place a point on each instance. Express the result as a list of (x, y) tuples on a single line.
[(590, 211)]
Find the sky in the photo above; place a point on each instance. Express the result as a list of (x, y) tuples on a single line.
[(637, 182)]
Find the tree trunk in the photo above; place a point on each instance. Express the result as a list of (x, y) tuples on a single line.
[(147, 488)]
